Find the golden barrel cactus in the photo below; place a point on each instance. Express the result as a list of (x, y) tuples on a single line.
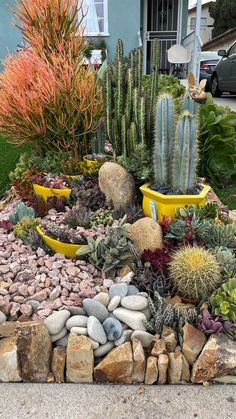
[(194, 272)]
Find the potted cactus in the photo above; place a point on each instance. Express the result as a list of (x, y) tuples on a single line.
[(175, 160)]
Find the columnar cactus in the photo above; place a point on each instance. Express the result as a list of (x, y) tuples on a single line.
[(164, 138), (185, 154)]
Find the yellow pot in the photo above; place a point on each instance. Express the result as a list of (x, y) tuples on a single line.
[(90, 163), (157, 205), (67, 249), (48, 192)]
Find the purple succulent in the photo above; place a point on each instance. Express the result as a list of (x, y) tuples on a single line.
[(210, 324)]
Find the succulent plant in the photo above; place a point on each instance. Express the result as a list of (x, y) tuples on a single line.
[(189, 229), (101, 217), (147, 280), (164, 314), (21, 212), (210, 324), (78, 216), (223, 300), (87, 193), (158, 259), (194, 272), (35, 241), (111, 252), (221, 235), (227, 260), (23, 227), (133, 213), (6, 225), (206, 212)]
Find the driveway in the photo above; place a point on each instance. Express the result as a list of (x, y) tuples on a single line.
[(76, 401), (227, 100)]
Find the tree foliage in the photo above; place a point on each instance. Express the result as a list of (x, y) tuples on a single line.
[(224, 14)]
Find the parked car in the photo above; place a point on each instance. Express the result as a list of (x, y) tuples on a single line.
[(223, 78), (208, 61)]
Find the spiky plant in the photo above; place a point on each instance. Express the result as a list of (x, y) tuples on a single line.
[(194, 272), (21, 212)]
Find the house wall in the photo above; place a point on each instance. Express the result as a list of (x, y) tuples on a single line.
[(124, 20), (206, 32), (10, 36)]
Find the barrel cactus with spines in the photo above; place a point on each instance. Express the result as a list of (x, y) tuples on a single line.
[(185, 154), (164, 138)]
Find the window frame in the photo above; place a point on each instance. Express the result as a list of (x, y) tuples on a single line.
[(106, 32), (193, 26)]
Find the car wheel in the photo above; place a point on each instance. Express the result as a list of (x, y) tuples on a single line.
[(216, 92)]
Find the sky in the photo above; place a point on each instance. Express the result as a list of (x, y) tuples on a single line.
[(192, 3)]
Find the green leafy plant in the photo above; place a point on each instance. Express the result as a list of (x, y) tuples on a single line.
[(111, 252), (194, 272), (138, 163), (132, 213), (101, 217), (223, 301), (23, 227), (21, 212), (226, 259), (78, 216), (217, 141), (220, 235)]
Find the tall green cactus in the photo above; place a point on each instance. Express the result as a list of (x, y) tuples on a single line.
[(185, 154), (164, 138), (129, 110), (189, 105), (153, 89)]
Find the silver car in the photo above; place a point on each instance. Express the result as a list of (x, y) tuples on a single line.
[(224, 76)]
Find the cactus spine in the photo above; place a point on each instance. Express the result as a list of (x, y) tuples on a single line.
[(164, 135)]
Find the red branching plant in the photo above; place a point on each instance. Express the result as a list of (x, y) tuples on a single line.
[(48, 98), (159, 258)]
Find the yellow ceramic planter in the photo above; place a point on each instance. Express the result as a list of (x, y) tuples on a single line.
[(46, 193), (90, 163), (157, 205), (67, 249)]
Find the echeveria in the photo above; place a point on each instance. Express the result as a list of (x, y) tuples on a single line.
[(210, 324)]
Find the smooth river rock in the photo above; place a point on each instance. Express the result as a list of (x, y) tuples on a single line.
[(144, 337), (118, 289), (115, 301), (134, 302), (59, 335), (133, 319), (56, 321), (103, 349), (76, 321), (103, 298), (96, 309), (132, 290), (113, 328), (79, 330), (96, 331)]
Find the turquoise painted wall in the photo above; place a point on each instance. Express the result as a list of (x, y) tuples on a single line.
[(10, 36), (124, 19)]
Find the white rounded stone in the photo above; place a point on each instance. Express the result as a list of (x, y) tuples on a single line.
[(103, 298), (115, 301), (134, 319), (59, 335), (95, 345), (56, 321), (79, 331), (144, 337), (134, 302), (103, 349), (76, 321), (96, 331)]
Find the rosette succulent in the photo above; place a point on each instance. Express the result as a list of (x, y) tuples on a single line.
[(210, 324), (223, 300)]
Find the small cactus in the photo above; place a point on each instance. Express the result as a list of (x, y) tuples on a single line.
[(194, 272)]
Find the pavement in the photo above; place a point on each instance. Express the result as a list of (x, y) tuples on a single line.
[(76, 401), (226, 100)]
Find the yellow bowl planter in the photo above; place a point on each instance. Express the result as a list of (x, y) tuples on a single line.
[(67, 249), (46, 193), (157, 205)]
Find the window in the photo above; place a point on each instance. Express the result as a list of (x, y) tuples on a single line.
[(232, 50), (193, 23), (96, 19)]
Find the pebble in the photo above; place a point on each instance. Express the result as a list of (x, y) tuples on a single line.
[(59, 335), (132, 290), (95, 345), (3, 317), (134, 302), (144, 337), (103, 298), (147, 313), (125, 337), (134, 319), (79, 331), (118, 289), (96, 309), (103, 349), (34, 304), (113, 328), (76, 321), (74, 311), (62, 341), (96, 331), (56, 321), (115, 301), (143, 294)]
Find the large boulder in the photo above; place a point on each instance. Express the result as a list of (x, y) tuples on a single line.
[(218, 358), (117, 366), (146, 234), (117, 185), (193, 342), (80, 360), (10, 370)]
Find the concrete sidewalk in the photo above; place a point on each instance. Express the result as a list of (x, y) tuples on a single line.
[(70, 401)]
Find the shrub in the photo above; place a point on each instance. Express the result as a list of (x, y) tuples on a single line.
[(194, 272)]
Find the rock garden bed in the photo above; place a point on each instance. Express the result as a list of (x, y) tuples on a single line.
[(97, 282)]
